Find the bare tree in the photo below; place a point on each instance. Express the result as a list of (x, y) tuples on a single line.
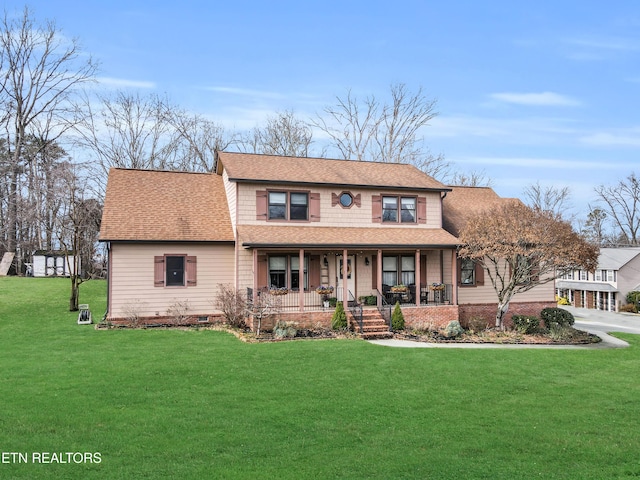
[(129, 131), (470, 179), (366, 129), (78, 229), (593, 228), (198, 139), (622, 205), (549, 199), (284, 134), (40, 70)]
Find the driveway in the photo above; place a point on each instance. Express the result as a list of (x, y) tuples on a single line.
[(601, 323)]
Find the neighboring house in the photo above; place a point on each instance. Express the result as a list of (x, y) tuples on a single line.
[(48, 263), (617, 274), (263, 223)]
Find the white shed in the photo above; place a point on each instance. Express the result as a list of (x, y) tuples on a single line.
[(52, 264)]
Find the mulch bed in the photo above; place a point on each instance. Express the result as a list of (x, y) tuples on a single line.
[(574, 337)]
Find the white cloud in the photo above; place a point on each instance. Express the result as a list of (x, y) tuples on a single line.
[(619, 44), (536, 99), (125, 83), (246, 92), (624, 138), (541, 163)]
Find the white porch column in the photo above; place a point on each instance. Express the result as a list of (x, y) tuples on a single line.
[(345, 280), (417, 279), (301, 280)]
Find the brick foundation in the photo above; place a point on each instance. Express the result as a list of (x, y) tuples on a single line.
[(488, 311), (211, 319), (303, 319), (432, 317)]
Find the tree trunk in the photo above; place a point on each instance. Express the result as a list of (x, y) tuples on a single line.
[(503, 307), (75, 293)]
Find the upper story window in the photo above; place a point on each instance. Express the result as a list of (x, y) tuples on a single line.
[(287, 205), (611, 275), (346, 200), (407, 206), (584, 275)]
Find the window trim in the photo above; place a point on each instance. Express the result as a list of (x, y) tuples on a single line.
[(398, 210), (189, 270), (287, 206)]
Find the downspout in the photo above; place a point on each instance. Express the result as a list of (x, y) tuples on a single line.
[(106, 313)]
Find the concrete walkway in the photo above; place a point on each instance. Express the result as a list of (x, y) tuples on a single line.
[(593, 321)]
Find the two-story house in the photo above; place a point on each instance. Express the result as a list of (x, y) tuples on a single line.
[(617, 274), (284, 226)]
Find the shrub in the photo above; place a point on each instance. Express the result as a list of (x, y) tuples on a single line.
[(629, 308), (525, 323), (233, 305), (453, 329), (476, 324), (560, 333), (633, 297), (178, 311), (284, 329), (333, 301), (397, 318), (558, 316), (339, 319)]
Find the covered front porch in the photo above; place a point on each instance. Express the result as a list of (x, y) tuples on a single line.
[(314, 279)]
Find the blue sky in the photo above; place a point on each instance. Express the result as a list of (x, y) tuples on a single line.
[(527, 92)]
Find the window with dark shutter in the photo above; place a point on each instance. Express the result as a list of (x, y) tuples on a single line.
[(174, 270)]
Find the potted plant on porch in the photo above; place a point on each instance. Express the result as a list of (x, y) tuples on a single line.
[(325, 291)]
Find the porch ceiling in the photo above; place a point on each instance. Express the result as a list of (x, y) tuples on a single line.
[(344, 237)]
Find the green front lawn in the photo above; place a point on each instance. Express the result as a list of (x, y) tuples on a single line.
[(201, 404)]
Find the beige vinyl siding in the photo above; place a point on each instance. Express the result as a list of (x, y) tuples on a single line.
[(336, 215), (486, 293), (230, 190), (132, 275)]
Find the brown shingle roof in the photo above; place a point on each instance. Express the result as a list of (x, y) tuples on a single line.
[(461, 202), (246, 167), (165, 206), (343, 237)]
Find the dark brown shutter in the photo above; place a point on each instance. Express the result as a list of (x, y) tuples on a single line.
[(261, 205), (158, 271), (192, 271), (263, 271), (335, 199), (376, 208), (314, 207), (422, 209), (357, 200), (479, 274), (423, 270), (314, 271), (459, 269)]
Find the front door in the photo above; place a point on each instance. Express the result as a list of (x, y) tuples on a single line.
[(351, 278)]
